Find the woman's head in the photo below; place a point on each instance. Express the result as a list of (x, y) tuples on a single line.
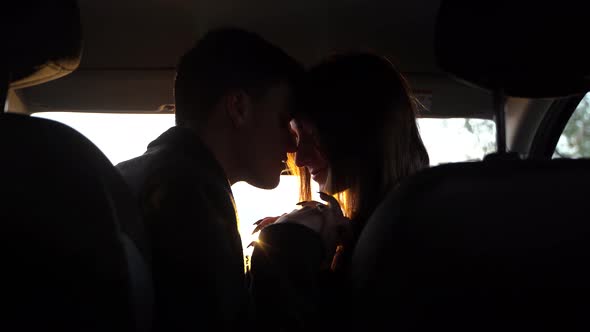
[(357, 131)]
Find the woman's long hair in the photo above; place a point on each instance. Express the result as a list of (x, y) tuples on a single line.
[(365, 115)]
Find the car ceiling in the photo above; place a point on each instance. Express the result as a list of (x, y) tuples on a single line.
[(131, 48)]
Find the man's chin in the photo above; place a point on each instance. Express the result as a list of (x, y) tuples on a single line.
[(268, 184)]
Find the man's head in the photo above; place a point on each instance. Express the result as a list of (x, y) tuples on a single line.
[(236, 83)]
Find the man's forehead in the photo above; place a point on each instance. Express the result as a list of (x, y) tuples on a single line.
[(283, 94)]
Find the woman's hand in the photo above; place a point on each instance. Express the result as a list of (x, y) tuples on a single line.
[(262, 223)]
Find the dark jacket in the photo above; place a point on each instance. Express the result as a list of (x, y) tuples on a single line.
[(197, 258), (293, 287)]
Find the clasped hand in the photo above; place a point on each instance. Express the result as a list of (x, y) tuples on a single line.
[(327, 220)]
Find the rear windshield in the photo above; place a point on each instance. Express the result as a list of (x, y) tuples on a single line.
[(123, 136)]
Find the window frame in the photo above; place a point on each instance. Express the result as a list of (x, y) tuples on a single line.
[(552, 126)]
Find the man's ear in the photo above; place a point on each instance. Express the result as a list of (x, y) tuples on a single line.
[(238, 107)]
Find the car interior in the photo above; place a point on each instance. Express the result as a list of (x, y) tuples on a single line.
[(497, 243)]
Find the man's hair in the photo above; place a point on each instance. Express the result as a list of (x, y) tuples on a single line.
[(227, 60)]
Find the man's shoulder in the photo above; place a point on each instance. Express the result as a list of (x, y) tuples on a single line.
[(166, 162), (157, 157), (176, 152)]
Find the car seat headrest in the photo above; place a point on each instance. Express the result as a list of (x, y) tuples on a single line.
[(521, 48)]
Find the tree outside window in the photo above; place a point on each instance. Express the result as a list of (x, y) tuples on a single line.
[(574, 142)]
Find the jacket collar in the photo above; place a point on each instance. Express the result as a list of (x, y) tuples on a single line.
[(190, 143)]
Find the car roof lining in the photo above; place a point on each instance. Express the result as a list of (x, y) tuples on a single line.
[(128, 64)]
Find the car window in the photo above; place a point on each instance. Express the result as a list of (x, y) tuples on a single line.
[(457, 139), (118, 136), (574, 142), (124, 136)]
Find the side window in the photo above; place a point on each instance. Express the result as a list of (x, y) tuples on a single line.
[(457, 139), (574, 142)]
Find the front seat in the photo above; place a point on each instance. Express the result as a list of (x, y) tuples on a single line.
[(497, 245), (72, 248), (501, 245)]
